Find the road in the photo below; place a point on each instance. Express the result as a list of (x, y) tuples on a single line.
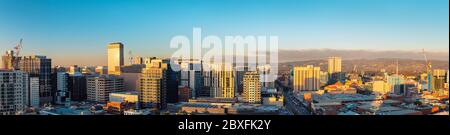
[(291, 103)]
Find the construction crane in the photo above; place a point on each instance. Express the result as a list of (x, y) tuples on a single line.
[(15, 57), (428, 69)]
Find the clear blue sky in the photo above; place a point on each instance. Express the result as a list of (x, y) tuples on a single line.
[(77, 31)]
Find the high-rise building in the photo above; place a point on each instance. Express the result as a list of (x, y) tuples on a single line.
[(115, 58), (335, 71), (152, 88), (207, 83), (306, 78), (62, 90), (8, 60), (438, 79), (396, 81), (77, 87), (334, 64), (264, 70), (252, 87), (99, 88), (222, 82), (39, 66), (381, 87), (191, 75), (324, 76), (172, 83), (239, 79), (13, 91), (33, 92)]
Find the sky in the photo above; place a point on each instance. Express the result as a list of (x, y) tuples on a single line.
[(77, 31)]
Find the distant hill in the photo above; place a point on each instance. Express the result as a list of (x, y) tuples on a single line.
[(318, 54), (406, 66)]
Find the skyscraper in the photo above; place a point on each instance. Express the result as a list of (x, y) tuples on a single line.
[(252, 87), (62, 90), (264, 70), (99, 88), (77, 87), (334, 64), (306, 78), (115, 58), (39, 66), (222, 81), (33, 92), (395, 81), (438, 79), (191, 75), (8, 60), (172, 83), (152, 88), (13, 89)]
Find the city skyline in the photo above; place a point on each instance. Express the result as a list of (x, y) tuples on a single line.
[(76, 32)]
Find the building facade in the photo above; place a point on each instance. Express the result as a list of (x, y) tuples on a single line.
[(99, 88), (62, 90), (115, 58), (39, 66), (13, 91), (252, 87), (334, 65), (152, 85), (306, 78)]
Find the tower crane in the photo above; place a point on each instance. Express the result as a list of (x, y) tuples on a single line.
[(15, 57), (427, 69)]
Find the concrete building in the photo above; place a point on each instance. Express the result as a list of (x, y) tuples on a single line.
[(152, 84), (62, 90), (39, 66), (99, 88), (438, 79), (115, 58), (264, 71), (191, 75), (381, 87), (222, 82), (77, 85), (334, 64), (8, 60), (396, 81), (306, 78), (252, 87), (13, 91), (33, 97)]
